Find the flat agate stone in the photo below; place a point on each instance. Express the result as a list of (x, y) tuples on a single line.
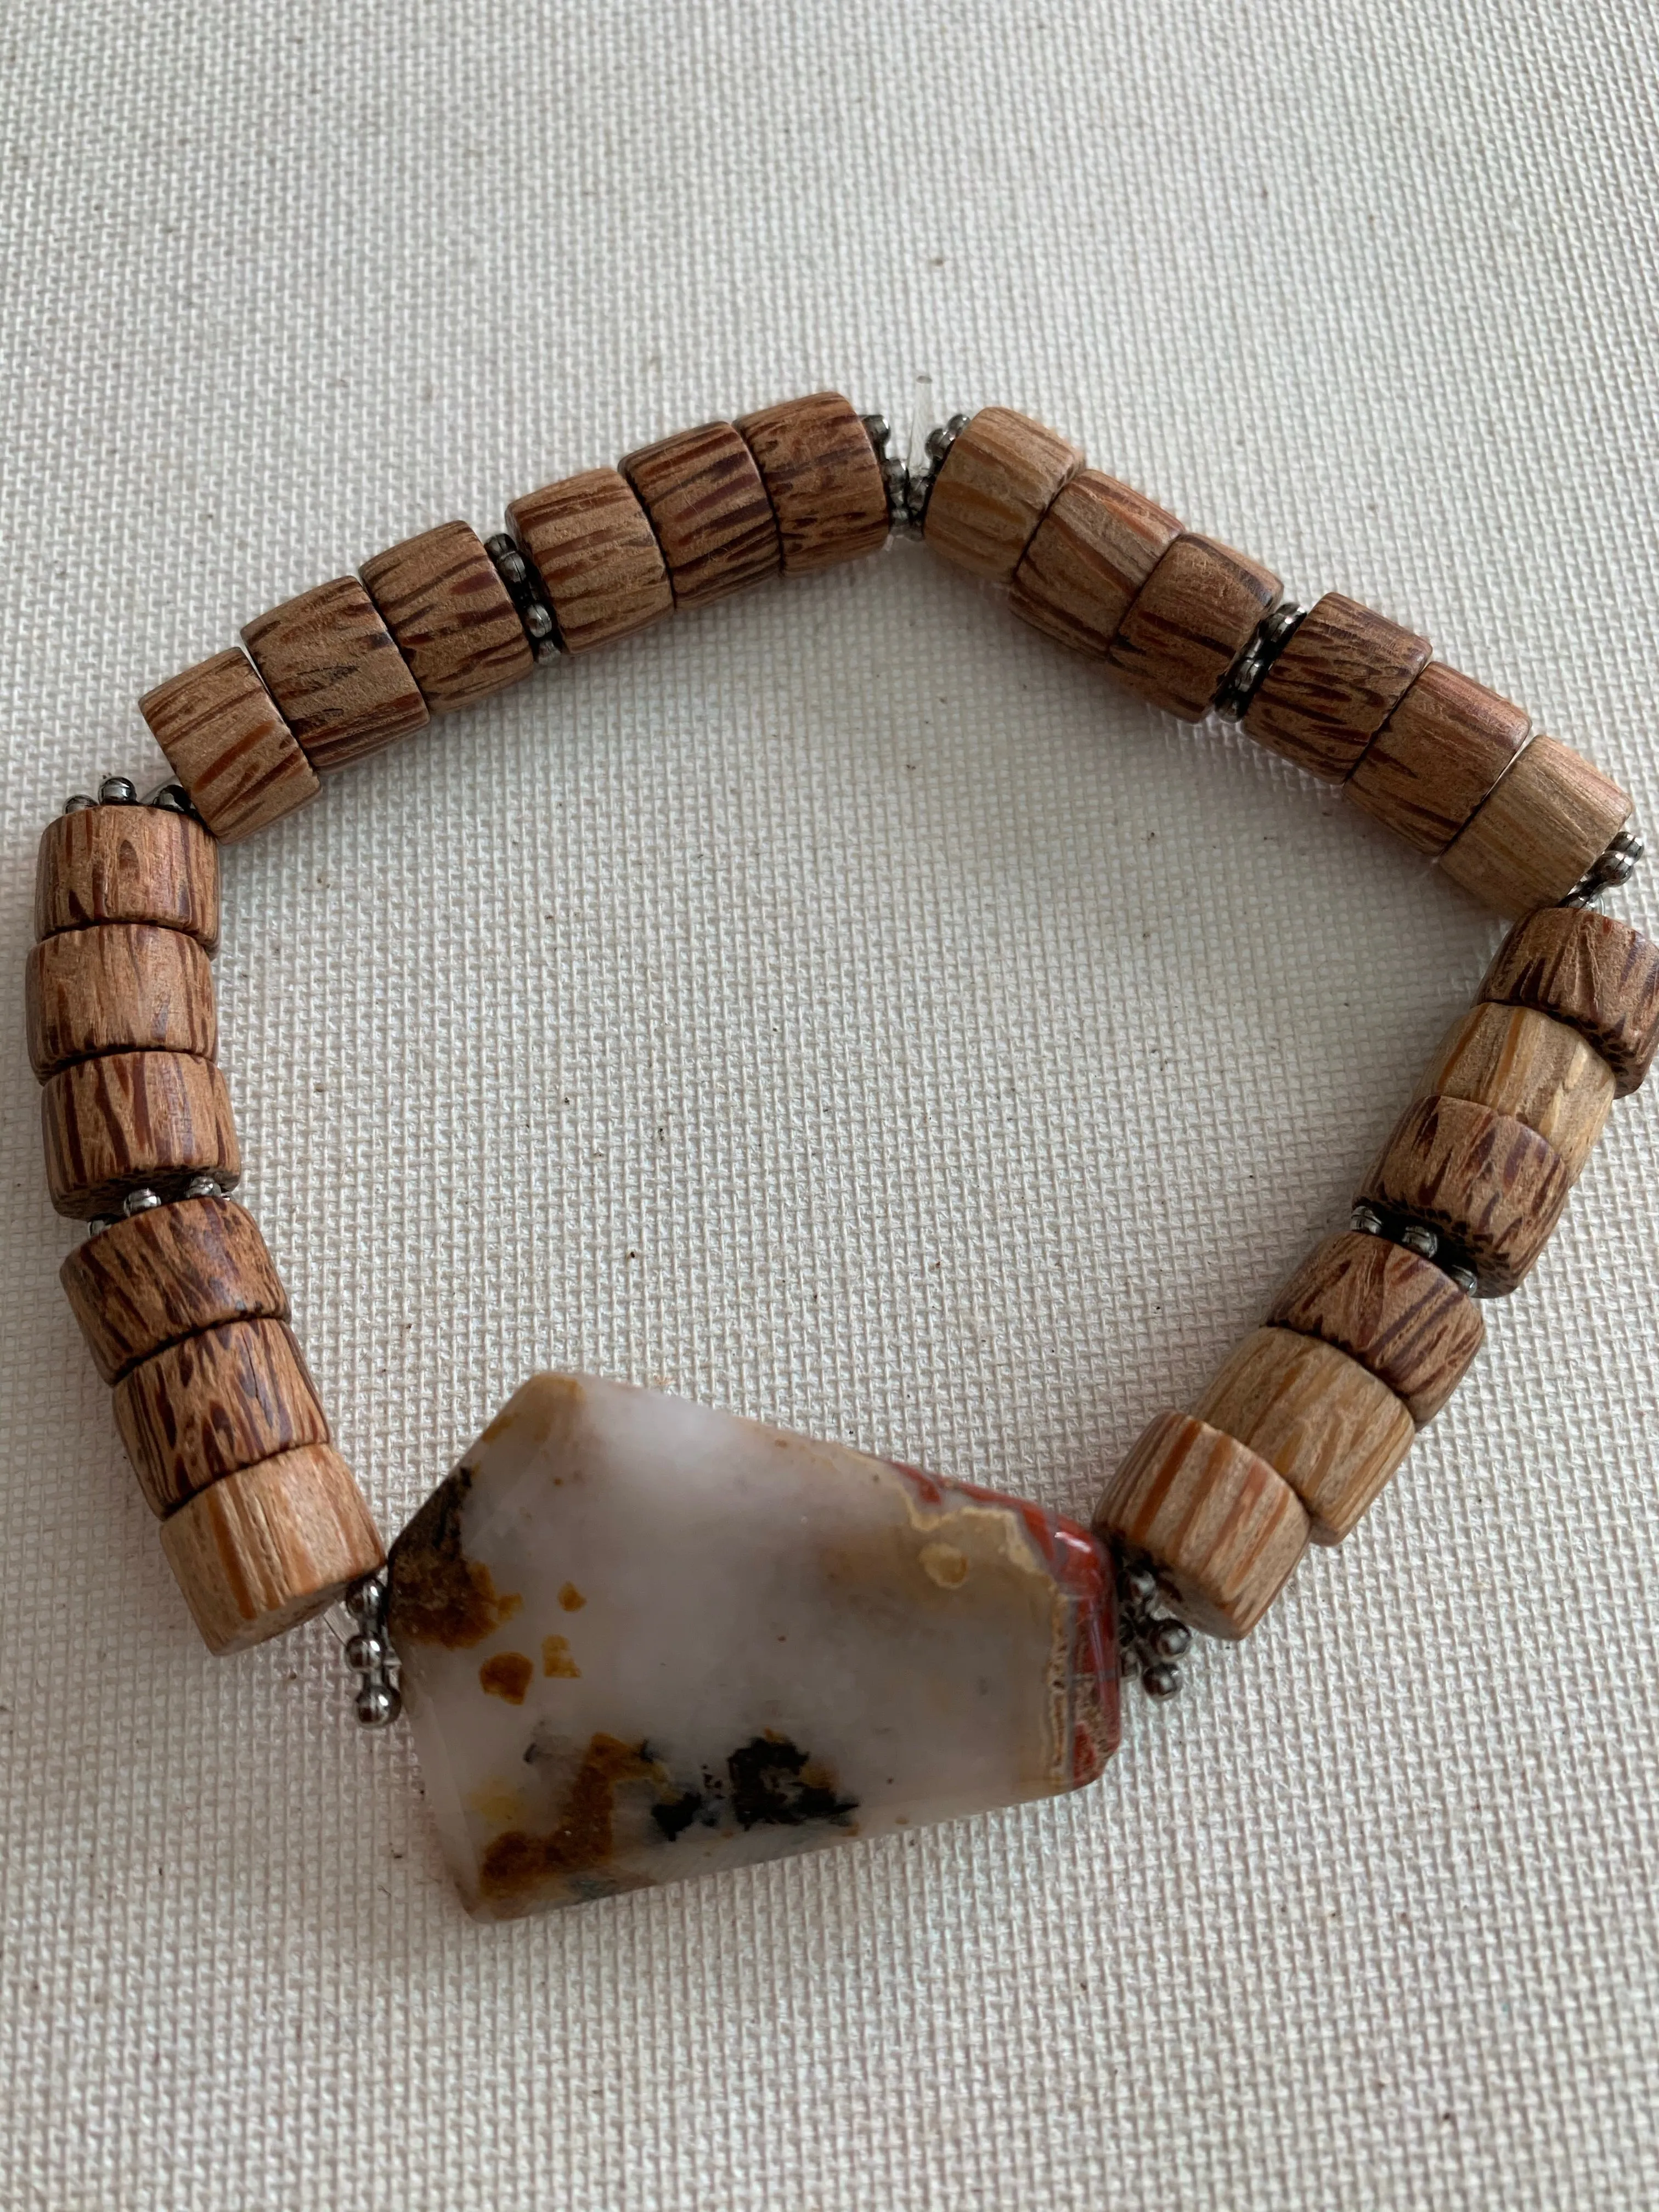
[(642, 1640)]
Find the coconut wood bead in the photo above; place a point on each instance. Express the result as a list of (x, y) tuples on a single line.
[(1522, 1062), (1597, 975), (1092, 551), (206, 1406), (1550, 817), (1193, 617), (709, 510), (119, 987), (133, 1119), (1401, 1317), (592, 544), (330, 663), (128, 864), (1438, 757), (228, 746), (450, 616), (171, 1271), (994, 488), (823, 479), (1342, 674), (1491, 1187), (265, 1548)]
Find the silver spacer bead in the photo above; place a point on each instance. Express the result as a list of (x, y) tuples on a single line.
[(78, 803), (1249, 672), (117, 791), (1367, 1220), (379, 1703), (1171, 1639), (919, 486), (522, 587), (1417, 1238), (1465, 1278), (1160, 1680), (139, 1201), (203, 1186), (366, 1653), (1616, 866), (101, 1222), (1141, 1584), (366, 1601), (171, 797)]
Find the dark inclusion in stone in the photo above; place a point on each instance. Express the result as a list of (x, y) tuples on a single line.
[(770, 1785)]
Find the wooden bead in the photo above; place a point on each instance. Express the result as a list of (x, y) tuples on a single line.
[(1193, 617), (228, 746), (267, 1547), (1333, 686), (1597, 975), (450, 616), (994, 486), (133, 1119), (1401, 1317), (822, 478), (709, 511), (153, 1278), (213, 1403), (1437, 756), (330, 663), (1550, 817), (1091, 552), (1522, 1062), (592, 544), (1222, 1528), (1491, 1187), (119, 987), (128, 864), (1321, 1419)]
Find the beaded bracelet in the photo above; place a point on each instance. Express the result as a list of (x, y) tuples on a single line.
[(585, 1722)]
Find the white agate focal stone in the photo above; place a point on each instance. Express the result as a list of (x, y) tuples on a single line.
[(642, 1640)]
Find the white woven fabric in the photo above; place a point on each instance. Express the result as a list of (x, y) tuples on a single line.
[(843, 1007)]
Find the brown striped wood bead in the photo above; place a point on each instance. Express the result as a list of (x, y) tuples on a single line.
[(154, 1278), (1222, 1528), (592, 544), (1401, 1317), (1193, 617), (119, 987), (709, 510), (228, 746), (1318, 1417), (1522, 1062), (262, 1550), (1091, 552), (1550, 817), (331, 664), (206, 1406), (994, 488), (1491, 1187), (1438, 757), (450, 616), (129, 1120), (1597, 975), (822, 478), (128, 864), (1334, 685)]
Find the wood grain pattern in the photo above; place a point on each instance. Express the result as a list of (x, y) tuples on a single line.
[(339, 681), (129, 1119), (1597, 973), (450, 616), (228, 746), (1334, 685), (213, 1403), (823, 479), (1193, 617), (1522, 1062), (1094, 548), (592, 544), (1325, 1423), (994, 488), (1401, 1317), (128, 864), (1549, 818), (709, 511), (1491, 1187), (154, 1278), (1222, 1528), (1437, 756), (119, 987), (265, 1548)]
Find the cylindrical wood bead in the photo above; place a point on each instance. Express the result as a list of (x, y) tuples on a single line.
[(709, 510), (994, 486), (1597, 975), (1091, 552), (1401, 1317), (215, 1403), (171, 1271), (1321, 1419), (1522, 1062), (1437, 756), (1490, 1186), (601, 568), (1192, 619), (228, 746), (128, 864), (1550, 817), (330, 663), (450, 616), (133, 1119), (117, 986), (822, 478), (1342, 674), (265, 1548)]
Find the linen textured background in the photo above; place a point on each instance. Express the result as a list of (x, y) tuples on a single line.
[(843, 1007)]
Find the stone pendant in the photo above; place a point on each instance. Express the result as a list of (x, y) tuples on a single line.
[(642, 1640)]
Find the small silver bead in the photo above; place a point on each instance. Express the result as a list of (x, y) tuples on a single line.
[(117, 791), (1367, 1220), (367, 1653), (1465, 1280), (378, 1704), (1161, 1680), (101, 1222), (78, 803), (537, 621), (171, 798), (878, 428), (366, 1601), (1141, 1584), (1423, 1241), (1172, 1640), (202, 1186), (139, 1200)]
